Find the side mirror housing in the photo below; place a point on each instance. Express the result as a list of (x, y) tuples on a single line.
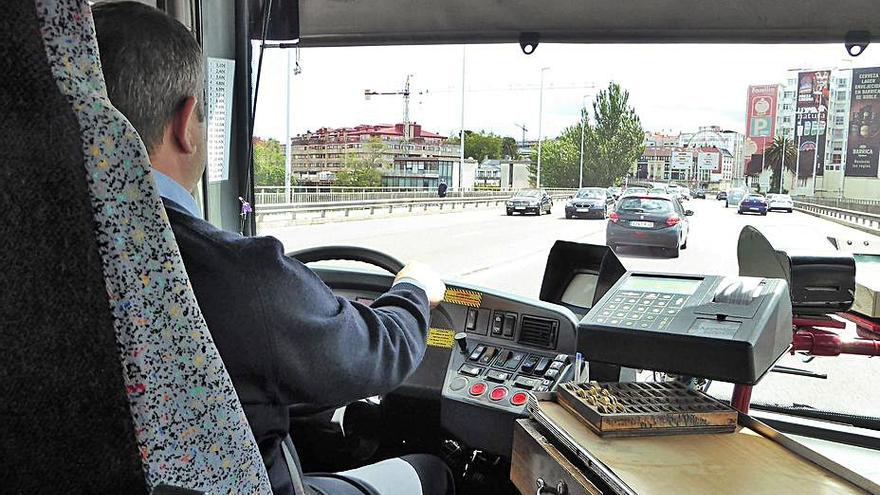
[(689, 213)]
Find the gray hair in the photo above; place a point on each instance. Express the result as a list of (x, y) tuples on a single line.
[(151, 64)]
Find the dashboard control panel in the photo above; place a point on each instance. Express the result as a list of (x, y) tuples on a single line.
[(500, 377)]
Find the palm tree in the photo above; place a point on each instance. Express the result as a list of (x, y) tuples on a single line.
[(779, 148)]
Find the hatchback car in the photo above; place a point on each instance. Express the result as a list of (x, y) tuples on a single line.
[(535, 201), (780, 202), (734, 196), (721, 196), (589, 202), (649, 220), (699, 194), (753, 203)]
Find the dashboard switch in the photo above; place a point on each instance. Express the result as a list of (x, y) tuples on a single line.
[(497, 376), (498, 393), (497, 323), (551, 375), (461, 340), (458, 383), (471, 323), (503, 358), (519, 399), (509, 325), (478, 389), (529, 364), (478, 352), (542, 366), (514, 360), (469, 370), (526, 383), (489, 355)]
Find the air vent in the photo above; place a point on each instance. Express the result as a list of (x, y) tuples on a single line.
[(538, 332)]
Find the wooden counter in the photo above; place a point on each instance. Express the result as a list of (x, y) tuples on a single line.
[(743, 462)]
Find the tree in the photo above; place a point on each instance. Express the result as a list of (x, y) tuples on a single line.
[(479, 145), (615, 142), (774, 153), (559, 163), (364, 169), (269, 161), (359, 175), (509, 148)]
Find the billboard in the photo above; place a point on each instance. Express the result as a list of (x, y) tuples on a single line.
[(681, 160), (760, 118), (811, 120), (863, 144), (709, 161)]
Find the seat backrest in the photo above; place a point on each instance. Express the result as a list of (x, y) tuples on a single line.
[(105, 319)]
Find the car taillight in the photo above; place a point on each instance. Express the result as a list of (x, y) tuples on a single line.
[(673, 220), (614, 216)]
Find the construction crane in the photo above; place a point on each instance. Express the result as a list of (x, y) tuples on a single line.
[(524, 131), (406, 93)]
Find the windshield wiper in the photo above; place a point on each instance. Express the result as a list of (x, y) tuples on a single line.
[(798, 371)]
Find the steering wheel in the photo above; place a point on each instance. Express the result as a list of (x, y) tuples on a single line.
[(350, 253)]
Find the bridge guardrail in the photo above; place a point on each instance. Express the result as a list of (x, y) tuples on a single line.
[(291, 211), (865, 221), (265, 195)]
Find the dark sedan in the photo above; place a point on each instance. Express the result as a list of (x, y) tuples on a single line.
[(721, 196), (535, 201), (589, 202), (699, 194), (753, 203), (650, 220)]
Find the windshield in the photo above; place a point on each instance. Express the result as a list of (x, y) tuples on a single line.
[(591, 194), (374, 131)]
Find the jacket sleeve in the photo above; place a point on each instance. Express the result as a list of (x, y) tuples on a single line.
[(325, 350)]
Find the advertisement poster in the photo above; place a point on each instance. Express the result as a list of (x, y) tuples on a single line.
[(760, 118), (812, 121), (863, 145)]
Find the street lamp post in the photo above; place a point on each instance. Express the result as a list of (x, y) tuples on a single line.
[(461, 140), (583, 125), (540, 119), (287, 146)]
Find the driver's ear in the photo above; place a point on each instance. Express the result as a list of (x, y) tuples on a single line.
[(181, 125)]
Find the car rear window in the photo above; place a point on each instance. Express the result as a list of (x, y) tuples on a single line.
[(645, 205), (591, 193)]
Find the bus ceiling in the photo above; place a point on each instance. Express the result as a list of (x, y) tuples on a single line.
[(392, 22)]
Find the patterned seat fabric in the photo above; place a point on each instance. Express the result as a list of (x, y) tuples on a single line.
[(188, 423)]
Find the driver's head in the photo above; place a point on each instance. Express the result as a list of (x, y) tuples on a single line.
[(153, 69)]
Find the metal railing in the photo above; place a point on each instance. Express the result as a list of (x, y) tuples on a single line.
[(862, 220), (332, 194), (341, 210), (863, 205)]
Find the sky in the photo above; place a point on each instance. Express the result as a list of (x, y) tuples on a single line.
[(673, 87)]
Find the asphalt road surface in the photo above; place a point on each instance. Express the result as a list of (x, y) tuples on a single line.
[(487, 248)]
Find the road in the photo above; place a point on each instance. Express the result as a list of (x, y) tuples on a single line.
[(487, 248)]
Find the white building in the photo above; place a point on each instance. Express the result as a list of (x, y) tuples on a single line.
[(714, 136), (832, 182)]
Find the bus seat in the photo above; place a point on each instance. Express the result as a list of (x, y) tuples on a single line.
[(110, 381)]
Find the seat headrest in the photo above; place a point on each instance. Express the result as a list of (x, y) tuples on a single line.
[(188, 421)]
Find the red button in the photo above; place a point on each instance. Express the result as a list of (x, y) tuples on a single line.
[(478, 389), (519, 399), (498, 393)]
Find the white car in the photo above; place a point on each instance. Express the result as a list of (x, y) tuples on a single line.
[(779, 202)]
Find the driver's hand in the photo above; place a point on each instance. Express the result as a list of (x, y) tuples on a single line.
[(425, 277)]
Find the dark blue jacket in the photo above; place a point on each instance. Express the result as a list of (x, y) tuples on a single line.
[(287, 341)]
